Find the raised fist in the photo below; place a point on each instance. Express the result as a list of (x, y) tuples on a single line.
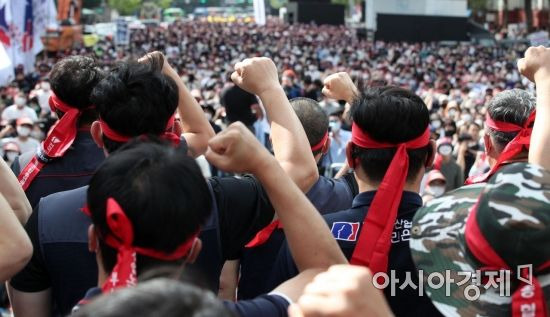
[(536, 64), (237, 150), (339, 86), (256, 75), (342, 291)]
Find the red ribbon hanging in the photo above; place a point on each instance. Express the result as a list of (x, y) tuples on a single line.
[(58, 141), (122, 238), (515, 147), (527, 299), (374, 242)]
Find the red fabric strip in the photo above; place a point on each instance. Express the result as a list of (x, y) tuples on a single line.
[(122, 238), (121, 138), (515, 147), (320, 145), (373, 247), (58, 141), (263, 235)]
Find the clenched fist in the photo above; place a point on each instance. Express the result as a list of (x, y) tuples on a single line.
[(237, 150), (339, 86), (342, 291), (256, 75), (536, 64)]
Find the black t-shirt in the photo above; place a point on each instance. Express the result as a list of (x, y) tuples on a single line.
[(71, 171), (346, 228), (237, 104), (61, 260), (327, 195)]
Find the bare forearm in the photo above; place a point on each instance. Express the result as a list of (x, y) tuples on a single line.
[(196, 129), (317, 248), (539, 151), (15, 246), (14, 194), (290, 143)]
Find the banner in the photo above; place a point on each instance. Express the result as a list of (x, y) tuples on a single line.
[(259, 12), (6, 68), (22, 23)]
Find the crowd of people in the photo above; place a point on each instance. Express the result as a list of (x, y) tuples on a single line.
[(207, 160)]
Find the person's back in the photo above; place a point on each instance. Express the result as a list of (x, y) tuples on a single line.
[(72, 81), (389, 163)]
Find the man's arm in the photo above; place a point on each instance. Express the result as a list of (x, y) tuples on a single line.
[(15, 246), (36, 304), (290, 144), (14, 194), (536, 67), (237, 150), (196, 129)]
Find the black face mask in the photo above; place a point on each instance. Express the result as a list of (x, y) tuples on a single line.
[(450, 133)]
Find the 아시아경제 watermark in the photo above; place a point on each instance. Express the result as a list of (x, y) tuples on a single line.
[(470, 283)]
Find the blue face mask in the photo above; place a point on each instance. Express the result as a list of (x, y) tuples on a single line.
[(335, 126)]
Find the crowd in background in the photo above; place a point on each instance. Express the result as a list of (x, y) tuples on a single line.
[(455, 81)]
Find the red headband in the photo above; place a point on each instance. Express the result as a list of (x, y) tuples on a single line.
[(122, 238), (373, 246), (321, 143), (515, 147), (58, 141), (121, 138), (489, 258)]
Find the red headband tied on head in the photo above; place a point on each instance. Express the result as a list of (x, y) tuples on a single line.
[(373, 246), (482, 250), (515, 147), (58, 141), (321, 143), (122, 239), (121, 138)]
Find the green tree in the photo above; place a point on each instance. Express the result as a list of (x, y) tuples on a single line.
[(125, 7), (164, 3)]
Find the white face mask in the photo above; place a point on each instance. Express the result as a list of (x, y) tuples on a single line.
[(208, 116), (11, 155), (445, 149), (436, 190), (45, 86), (436, 124), (23, 131), (20, 101), (335, 126), (467, 117)]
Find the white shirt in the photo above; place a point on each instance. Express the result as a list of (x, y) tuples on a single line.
[(14, 113), (26, 146)]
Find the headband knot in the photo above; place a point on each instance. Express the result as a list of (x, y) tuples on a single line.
[(512, 149), (168, 135), (59, 140)]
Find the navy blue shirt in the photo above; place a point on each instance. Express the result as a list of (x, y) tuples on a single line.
[(327, 195), (59, 232), (71, 171), (346, 227)]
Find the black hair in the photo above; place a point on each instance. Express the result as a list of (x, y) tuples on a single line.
[(136, 99), (72, 79), (393, 115), (313, 119), (511, 106), (158, 297), (162, 192)]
